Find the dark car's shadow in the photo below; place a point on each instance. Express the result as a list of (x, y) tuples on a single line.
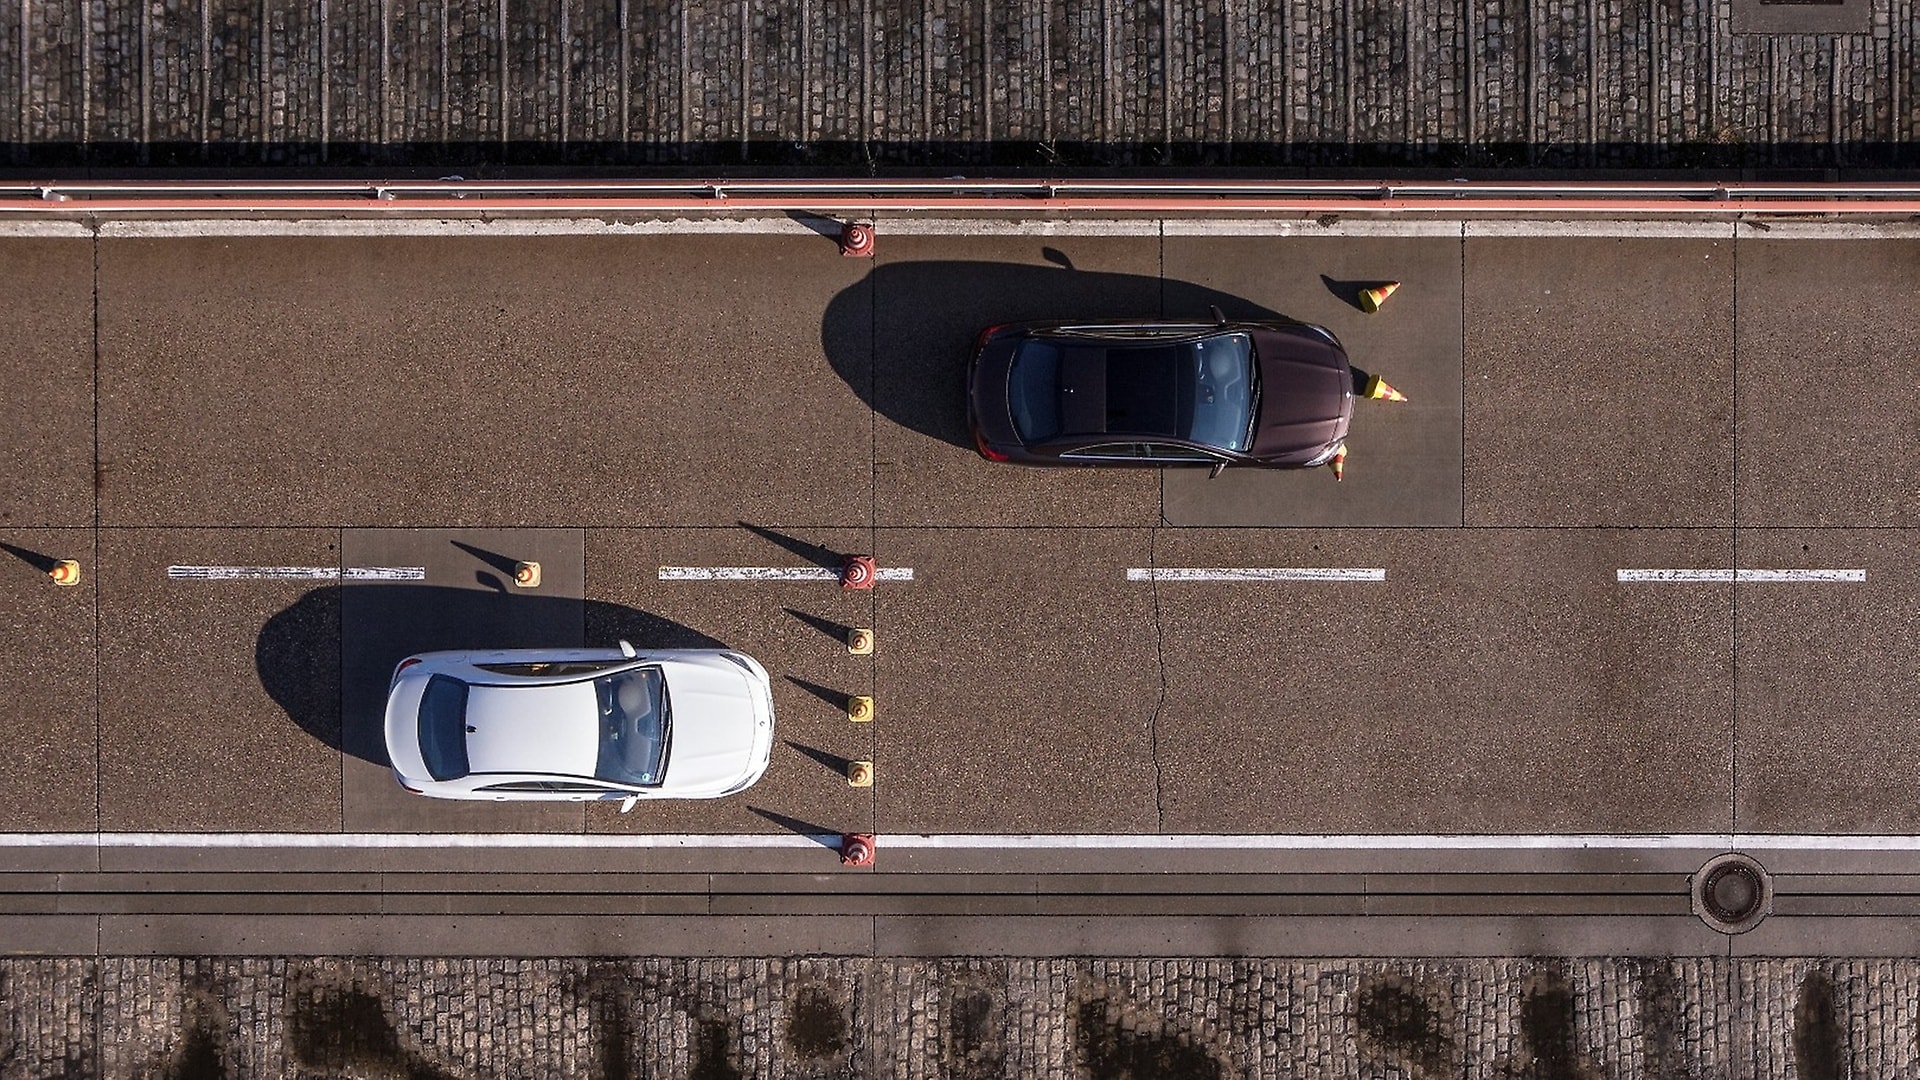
[(326, 658), (901, 336)]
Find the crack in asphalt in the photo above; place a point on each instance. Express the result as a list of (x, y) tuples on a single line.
[(1160, 662)]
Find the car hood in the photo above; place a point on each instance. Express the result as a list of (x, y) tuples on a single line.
[(1306, 394), (713, 719), (536, 729)]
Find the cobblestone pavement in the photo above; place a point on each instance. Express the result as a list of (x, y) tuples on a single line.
[(959, 1019), (860, 84)]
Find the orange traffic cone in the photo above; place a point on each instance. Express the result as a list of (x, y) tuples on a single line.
[(1339, 463), (1371, 299), (65, 572), (1378, 389), (856, 849)]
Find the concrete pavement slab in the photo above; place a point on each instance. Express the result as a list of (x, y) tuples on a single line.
[(48, 672), (1598, 381), (50, 935), (1404, 462), (466, 601), (1495, 681), (47, 474), (51, 859), (1848, 935), (1827, 396), (208, 724), (1018, 685), (1828, 676), (795, 629), (467, 381), (931, 297), (1329, 863)]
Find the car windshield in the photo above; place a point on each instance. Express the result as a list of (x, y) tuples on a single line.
[(443, 728), (633, 727), (1201, 390), (1214, 391)]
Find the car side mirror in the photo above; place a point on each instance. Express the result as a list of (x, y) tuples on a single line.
[(626, 649), (626, 804), (1219, 317), (1218, 468)]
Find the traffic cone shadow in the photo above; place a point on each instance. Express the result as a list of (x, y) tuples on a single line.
[(1349, 290), (819, 555), (827, 694), (819, 834), (42, 563), (838, 631), (833, 763)]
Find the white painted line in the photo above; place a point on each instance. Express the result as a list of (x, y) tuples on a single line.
[(28, 227), (1338, 227), (335, 841), (1350, 223), (773, 573), (992, 841), (1765, 229), (1014, 226), (1731, 576), (1649, 230), (1257, 573), (531, 226), (298, 573)]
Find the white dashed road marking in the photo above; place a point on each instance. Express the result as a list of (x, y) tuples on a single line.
[(1732, 576), (298, 573), (773, 573), (1256, 573)]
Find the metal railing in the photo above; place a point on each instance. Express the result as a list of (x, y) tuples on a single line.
[(1303, 197)]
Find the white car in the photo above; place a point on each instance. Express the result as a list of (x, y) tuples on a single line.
[(579, 724)]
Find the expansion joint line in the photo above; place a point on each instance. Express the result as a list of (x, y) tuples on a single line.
[(1160, 664), (1733, 515)]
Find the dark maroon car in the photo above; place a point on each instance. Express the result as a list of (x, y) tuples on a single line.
[(1277, 394)]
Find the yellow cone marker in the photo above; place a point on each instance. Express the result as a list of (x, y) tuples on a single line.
[(860, 709), (860, 641), (65, 572), (859, 774), (1378, 389), (1339, 463), (526, 575), (1371, 299)]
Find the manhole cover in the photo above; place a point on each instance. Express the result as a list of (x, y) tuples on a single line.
[(1732, 893)]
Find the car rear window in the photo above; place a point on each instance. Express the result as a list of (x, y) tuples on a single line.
[(443, 728), (1033, 391)]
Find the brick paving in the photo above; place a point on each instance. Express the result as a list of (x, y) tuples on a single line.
[(865, 84), (959, 1019)]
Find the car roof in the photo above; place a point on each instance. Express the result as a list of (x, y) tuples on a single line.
[(535, 728)]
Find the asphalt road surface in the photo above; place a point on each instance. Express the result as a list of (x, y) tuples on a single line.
[(1484, 654)]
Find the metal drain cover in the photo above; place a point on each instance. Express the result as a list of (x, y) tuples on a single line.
[(1732, 893)]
